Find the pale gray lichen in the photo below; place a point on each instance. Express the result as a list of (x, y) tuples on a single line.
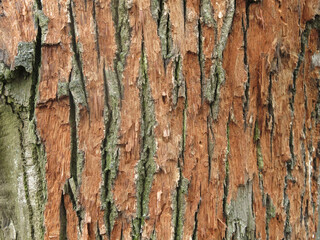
[(25, 57), (240, 216), (63, 89)]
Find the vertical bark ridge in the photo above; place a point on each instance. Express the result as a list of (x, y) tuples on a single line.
[(179, 202), (160, 12), (110, 151), (217, 74), (146, 166), (77, 83), (120, 18)]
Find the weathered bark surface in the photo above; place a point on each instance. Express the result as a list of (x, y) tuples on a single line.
[(154, 119)]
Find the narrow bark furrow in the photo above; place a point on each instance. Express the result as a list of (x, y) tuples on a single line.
[(110, 150), (63, 220), (146, 166), (226, 179), (73, 139), (78, 86), (271, 113), (195, 229), (246, 97)]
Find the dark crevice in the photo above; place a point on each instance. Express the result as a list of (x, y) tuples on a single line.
[(226, 179), (76, 50), (63, 220), (73, 198), (195, 229), (35, 72), (201, 58), (96, 30), (184, 3), (73, 139), (246, 65), (271, 113)]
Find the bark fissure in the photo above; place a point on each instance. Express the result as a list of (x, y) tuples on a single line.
[(63, 220), (246, 96), (146, 166), (73, 139), (109, 148), (195, 229), (271, 113), (226, 179), (79, 78)]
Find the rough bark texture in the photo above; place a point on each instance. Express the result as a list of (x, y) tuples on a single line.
[(159, 119)]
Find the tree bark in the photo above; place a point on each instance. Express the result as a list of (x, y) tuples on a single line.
[(159, 119)]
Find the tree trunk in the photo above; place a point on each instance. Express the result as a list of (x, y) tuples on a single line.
[(159, 119)]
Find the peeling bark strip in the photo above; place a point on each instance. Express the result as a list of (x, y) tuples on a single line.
[(146, 166)]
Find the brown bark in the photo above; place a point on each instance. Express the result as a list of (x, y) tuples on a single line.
[(154, 119)]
